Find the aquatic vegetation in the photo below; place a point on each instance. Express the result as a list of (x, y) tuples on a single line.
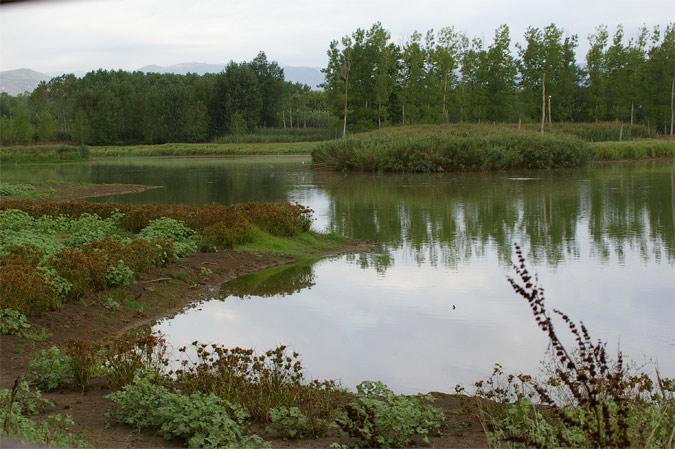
[(633, 149)]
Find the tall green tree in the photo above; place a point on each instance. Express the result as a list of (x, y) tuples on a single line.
[(549, 52), (500, 82), (271, 87), (412, 79), (444, 61), (337, 78)]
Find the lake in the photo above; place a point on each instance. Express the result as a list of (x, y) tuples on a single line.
[(433, 308)]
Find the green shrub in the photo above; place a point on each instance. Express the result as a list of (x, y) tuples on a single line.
[(170, 229), (119, 275), (633, 150), (18, 190), (379, 418), (434, 152), (292, 423), (16, 407), (203, 420), (51, 368), (13, 322)]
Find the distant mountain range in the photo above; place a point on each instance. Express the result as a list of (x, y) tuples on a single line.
[(20, 81), (16, 82)]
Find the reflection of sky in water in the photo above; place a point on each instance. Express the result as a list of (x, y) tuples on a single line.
[(399, 326), (601, 240)]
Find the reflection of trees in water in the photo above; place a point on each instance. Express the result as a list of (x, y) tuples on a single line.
[(186, 180), (450, 218), (276, 281)]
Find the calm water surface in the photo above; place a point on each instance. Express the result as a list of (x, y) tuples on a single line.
[(433, 308)]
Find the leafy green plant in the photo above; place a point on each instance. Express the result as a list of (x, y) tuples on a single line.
[(170, 229), (51, 368), (16, 407), (379, 418), (119, 274), (292, 423), (205, 271), (110, 303), (13, 322), (203, 420)]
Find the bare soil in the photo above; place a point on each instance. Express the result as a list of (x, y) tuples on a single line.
[(75, 191), (156, 295)]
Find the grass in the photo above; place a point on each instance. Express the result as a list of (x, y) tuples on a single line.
[(204, 149), (424, 152), (43, 153), (631, 150), (471, 147), (303, 246)]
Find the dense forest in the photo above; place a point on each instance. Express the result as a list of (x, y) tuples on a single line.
[(114, 107), (371, 82)]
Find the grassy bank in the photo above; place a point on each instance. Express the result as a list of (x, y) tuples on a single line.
[(434, 152), (43, 153), (204, 149), (470, 147), (632, 150), (54, 252), (69, 153)]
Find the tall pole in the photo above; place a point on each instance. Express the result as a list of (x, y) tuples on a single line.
[(672, 109), (550, 125), (543, 103)]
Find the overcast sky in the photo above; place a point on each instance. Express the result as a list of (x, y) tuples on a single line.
[(61, 36)]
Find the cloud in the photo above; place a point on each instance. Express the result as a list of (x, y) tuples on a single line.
[(69, 35)]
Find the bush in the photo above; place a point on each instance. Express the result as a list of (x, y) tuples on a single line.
[(222, 235), (51, 368), (82, 356), (379, 418), (203, 420), (173, 230), (125, 355), (437, 152), (27, 289), (13, 322), (84, 272), (16, 407), (119, 275)]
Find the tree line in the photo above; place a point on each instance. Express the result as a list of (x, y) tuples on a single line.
[(113, 107), (370, 82), (444, 77)]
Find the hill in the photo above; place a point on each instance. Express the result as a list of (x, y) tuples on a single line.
[(15, 82)]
